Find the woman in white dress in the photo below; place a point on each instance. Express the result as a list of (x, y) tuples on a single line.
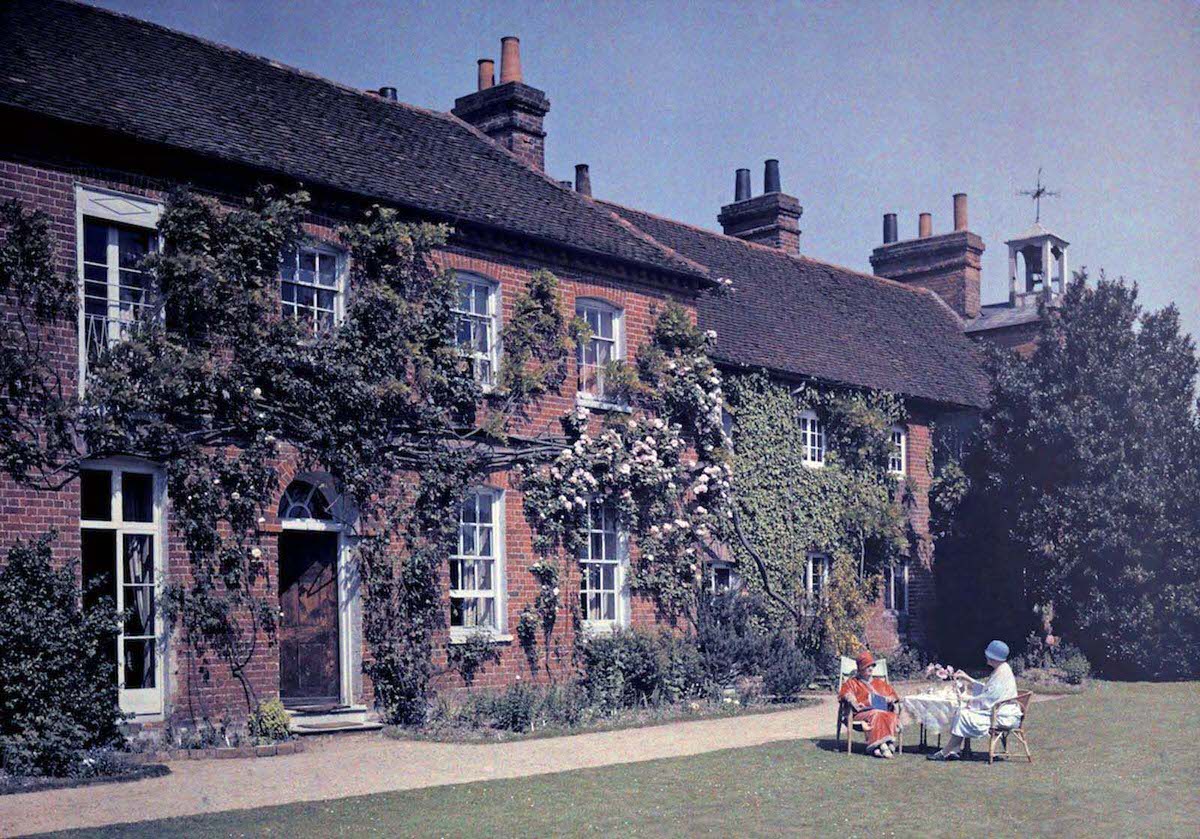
[(974, 718)]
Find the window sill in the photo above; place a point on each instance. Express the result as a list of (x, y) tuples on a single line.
[(814, 464), (602, 629), (591, 402), (462, 636)]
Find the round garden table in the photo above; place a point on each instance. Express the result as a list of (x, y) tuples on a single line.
[(933, 710)]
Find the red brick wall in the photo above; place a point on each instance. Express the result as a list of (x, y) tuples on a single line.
[(886, 629)]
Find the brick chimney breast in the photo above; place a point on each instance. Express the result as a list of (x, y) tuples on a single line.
[(772, 219), (947, 264), (511, 113)]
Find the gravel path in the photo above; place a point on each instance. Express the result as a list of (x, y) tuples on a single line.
[(362, 764)]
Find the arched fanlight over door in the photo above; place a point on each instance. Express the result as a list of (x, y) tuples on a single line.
[(304, 500)]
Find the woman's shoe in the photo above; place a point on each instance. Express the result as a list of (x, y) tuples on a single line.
[(935, 756)]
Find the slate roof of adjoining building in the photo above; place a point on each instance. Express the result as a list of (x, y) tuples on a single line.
[(806, 318), (90, 66)]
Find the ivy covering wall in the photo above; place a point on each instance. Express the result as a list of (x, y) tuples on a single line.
[(788, 509)]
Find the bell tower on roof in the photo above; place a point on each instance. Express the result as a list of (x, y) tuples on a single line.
[(1037, 267)]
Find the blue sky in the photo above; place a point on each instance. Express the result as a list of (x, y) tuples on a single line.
[(870, 107)]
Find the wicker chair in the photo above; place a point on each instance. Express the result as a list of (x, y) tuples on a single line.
[(1000, 733), (845, 711)]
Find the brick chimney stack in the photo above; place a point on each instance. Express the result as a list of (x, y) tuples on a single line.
[(947, 264), (511, 112), (770, 219)]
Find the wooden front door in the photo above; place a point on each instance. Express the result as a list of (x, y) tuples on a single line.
[(308, 618)]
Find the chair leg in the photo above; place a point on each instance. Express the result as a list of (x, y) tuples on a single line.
[(1025, 743), (991, 747)]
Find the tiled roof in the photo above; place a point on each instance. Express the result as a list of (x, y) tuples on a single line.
[(90, 66), (806, 318), (1000, 315)]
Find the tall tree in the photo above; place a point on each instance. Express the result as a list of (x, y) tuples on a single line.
[(1080, 501)]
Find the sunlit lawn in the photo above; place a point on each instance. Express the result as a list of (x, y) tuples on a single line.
[(1118, 760)]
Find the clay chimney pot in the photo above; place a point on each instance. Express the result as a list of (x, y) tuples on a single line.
[(487, 73), (924, 226), (960, 211), (510, 59)]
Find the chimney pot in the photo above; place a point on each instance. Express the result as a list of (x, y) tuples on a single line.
[(388, 93), (924, 226), (771, 176), (741, 185), (889, 228), (960, 211), (583, 179), (510, 59), (487, 73)]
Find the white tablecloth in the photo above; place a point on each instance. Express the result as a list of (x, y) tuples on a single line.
[(935, 711)]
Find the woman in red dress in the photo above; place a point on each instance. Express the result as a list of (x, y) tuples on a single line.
[(858, 692)]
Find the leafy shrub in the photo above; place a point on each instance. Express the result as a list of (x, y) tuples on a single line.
[(729, 637), (790, 671), (632, 668), (514, 708), (905, 662), (58, 691), (270, 723), (1074, 664)]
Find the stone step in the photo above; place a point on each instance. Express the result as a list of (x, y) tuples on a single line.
[(327, 717), (306, 730)]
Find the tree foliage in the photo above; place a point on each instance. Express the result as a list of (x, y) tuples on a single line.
[(1077, 509)]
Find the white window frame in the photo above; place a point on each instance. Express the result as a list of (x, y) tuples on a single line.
[(108, 207), (898, 450), (621, 600), (735, 579), (460, 634), (584, 396), (139, 701), (492, 316), (341, 271), (889, 587), (826, 563), (812, 440)]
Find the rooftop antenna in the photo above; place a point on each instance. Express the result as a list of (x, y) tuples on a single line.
[(1037, 194)]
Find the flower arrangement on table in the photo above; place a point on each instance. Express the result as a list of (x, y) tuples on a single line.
[(942, 673)]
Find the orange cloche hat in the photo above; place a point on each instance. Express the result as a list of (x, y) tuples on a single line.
[(864, 658)]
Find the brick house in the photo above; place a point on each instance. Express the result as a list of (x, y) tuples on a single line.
[(104, 114)]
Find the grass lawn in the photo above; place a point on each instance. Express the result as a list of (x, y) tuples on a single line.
[(1118, 760)]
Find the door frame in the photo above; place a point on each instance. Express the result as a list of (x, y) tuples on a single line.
[(347, 594)]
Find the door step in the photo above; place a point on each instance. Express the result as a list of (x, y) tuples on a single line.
[(334, 728), (327, 719)]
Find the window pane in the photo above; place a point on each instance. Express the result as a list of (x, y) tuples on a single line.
[(139, 664), (95, 242), (139, 611), (137, 496), (133, 245), (98, 561), (95, 494), (139, 559), (485, 541), (484, 580), (610, 607), (456, 611), (327, 271)]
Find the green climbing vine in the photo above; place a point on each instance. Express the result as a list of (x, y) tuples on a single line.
[(785, 509)]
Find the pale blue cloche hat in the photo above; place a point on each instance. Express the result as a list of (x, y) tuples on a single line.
[(997, 651)]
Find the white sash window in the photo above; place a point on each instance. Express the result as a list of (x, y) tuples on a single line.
[(476, 330), (476, 568), (121, 551), (603, 601)]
